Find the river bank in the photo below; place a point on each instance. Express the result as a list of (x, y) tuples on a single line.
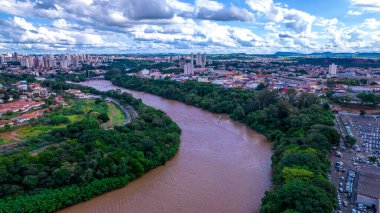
[(212, 172)]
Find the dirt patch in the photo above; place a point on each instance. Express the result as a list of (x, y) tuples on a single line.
[(12, 138)]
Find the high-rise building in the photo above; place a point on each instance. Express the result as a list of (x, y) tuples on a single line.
[(2, 60), (198, 61), (204, 60), (15, 56), (64, 64), (182, 62), (30, 61), (188, 69), (332, 69), (40, 61), (27, 61)]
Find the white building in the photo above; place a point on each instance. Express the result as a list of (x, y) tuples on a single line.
[(332, 69), (27, 61), (144, 72), (188, 69), (2, 60), (203, 79), (64, 64)]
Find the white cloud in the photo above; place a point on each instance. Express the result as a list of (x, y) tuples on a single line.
[(21, 22), (60, 23), (181, 6), (210, 5), (322, 22), (354, 13), (175, 25), (360, 6), (299, 21), (371, 23)]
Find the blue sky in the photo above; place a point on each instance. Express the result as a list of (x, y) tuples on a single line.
[(184, 26)]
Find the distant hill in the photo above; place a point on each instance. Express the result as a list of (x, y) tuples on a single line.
[(328, 54)]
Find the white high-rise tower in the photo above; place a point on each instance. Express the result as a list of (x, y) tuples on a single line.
[(332, 69)]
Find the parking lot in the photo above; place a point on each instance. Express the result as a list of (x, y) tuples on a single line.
[(348, 162), (366, 130)]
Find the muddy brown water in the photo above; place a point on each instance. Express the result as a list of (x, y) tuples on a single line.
[(220, 167)]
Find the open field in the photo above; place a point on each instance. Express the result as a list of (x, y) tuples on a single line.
[(116, 116), (75, 111)]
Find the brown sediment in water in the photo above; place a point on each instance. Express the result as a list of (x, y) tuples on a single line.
[(220, 167)]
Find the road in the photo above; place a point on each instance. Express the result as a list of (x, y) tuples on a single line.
[(128, 115)]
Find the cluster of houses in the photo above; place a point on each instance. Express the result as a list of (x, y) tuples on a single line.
[(30, 104)]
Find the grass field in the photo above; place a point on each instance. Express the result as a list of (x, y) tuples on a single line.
[(78, 105), (116, 116)]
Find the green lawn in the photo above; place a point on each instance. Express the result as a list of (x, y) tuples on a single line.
[(78, 105), (116, 116), (34, 131)]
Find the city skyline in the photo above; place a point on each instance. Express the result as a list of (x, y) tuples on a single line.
[(181, 26)]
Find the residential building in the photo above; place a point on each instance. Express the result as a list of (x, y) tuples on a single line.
[(332, 69)]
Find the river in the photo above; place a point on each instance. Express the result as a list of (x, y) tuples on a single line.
[(220, 167)]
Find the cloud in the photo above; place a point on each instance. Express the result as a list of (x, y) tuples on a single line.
[(210, 5), (322, 22), (231, 13), (360, 6), (354, 13), (177, 25), (138, 9), (60, 23), (180, 6), (371, 23), (296, 20)]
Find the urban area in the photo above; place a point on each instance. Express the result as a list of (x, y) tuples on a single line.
[(349, 85)]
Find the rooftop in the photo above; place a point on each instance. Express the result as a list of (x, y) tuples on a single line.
[(369, 183)]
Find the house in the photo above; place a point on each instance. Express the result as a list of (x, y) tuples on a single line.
[(27, 117), (22, 87), (5, 122), (20, 106), (35, 86)]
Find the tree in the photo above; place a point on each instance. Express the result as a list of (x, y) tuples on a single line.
[(103, 117), (369, 98), (362, 112), (30, 181), (372, 158), (261, 86), (307, 99), (350, 140), (238, 113)]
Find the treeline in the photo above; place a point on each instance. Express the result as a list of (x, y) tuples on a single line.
[(300, 128), (134, 66), (86, 160), (345, 62)]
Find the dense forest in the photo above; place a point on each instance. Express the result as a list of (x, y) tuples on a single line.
[(300, 128), (85, 160)]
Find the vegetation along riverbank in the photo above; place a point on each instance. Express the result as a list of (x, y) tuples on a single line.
[(78, 159), (300, 128)]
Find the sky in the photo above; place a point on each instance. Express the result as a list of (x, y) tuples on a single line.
[(185, 26)]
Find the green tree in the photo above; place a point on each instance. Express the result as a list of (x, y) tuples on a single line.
[(350, 140)]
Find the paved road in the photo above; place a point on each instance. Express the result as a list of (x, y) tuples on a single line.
[(128, 116)]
